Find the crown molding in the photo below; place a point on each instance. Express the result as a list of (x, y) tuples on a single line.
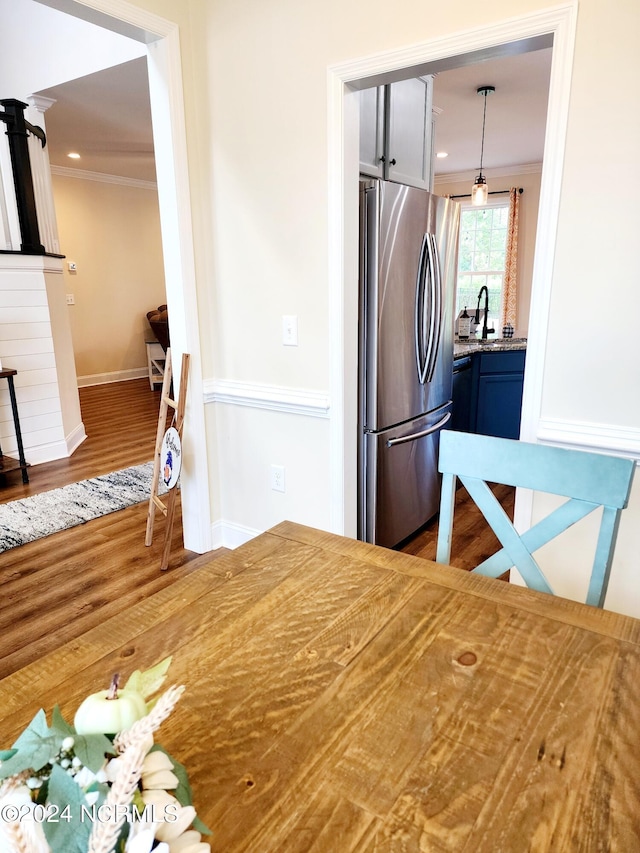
[(502, 172), (101, 177), (40, 103)]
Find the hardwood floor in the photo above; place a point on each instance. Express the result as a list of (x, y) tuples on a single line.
[(120, 420), (56, 588), (472, 541)]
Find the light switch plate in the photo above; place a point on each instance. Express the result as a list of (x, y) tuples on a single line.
[(289, 330)]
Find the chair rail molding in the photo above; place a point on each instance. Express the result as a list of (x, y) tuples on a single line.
[(276, 398), (583, 435)]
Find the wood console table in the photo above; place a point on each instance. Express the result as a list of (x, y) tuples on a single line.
[(7, 463)]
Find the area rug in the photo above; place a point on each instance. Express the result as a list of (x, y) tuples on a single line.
[(49, 512)]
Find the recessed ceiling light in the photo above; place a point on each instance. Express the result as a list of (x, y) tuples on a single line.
[(74, 155), (441, 155)]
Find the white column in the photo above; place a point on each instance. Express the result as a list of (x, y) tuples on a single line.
[(41, 171)]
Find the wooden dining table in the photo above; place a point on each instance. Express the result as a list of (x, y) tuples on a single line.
[(344, 697)]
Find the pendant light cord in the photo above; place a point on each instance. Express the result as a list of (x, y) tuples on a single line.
[(484, 118)]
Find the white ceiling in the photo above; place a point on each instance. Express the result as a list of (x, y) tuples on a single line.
[(516, 112), (106, 117)]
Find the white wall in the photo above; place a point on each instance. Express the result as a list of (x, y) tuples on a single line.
[(110, 228)]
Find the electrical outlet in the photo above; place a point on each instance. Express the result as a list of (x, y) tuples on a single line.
[(277, 478)]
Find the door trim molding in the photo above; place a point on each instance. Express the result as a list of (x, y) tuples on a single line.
[(343, 130)]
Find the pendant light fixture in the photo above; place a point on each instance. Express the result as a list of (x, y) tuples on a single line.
[(480, 190)]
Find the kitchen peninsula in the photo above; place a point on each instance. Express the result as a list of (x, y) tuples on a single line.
[(487, 386)]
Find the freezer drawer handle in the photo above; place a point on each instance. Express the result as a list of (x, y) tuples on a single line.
[(415, 435)]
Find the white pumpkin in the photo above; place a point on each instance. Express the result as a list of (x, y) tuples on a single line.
[(100, 714)]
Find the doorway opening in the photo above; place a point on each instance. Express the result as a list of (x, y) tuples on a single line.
[(554, 27), (166, 94)]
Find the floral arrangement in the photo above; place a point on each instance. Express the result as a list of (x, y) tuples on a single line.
[(101, 785)]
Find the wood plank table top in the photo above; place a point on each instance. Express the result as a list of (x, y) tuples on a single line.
[(342, 697)]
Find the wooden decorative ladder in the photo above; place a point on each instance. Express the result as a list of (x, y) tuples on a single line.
[(167, 402)]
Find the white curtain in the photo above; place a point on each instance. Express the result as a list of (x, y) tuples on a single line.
[(510, 284)]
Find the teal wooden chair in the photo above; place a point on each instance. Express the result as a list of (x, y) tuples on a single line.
[(589, 480)]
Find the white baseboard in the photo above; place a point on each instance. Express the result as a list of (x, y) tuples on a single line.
[(116, 376), (75, 439), (225, 534), (54, 450), (46, 452)]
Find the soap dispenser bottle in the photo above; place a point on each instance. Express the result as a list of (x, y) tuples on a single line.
[(464, 325)]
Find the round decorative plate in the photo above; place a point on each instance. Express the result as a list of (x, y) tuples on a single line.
[(170, 457)]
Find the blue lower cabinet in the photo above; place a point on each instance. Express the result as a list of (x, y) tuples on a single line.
[(461, 409), (499, 405), (496, 393)]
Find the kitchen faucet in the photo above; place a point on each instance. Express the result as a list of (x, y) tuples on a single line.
[(476, 319)]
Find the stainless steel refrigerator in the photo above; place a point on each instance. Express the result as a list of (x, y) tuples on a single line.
[(408, 260)]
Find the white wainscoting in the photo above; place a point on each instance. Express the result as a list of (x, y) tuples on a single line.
[(27, 345), (275, 398)]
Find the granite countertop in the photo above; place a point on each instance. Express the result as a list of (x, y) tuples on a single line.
[(462, 348)]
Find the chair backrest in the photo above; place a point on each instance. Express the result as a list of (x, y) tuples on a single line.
[(589, 480)]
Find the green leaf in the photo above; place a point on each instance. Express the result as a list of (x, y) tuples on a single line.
[(148, 682), (35, 747), (133, 682), (91, 750), (60, 725), (5, 754), (202, 828), (70, 833)]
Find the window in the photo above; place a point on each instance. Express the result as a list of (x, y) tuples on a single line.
[(481, 258)]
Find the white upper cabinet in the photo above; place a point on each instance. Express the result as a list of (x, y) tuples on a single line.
[(372, 114), (396, 132)]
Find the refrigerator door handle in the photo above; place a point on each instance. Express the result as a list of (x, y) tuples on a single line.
[(435, 315), (420, 317), (415, 435), (428, 317)]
